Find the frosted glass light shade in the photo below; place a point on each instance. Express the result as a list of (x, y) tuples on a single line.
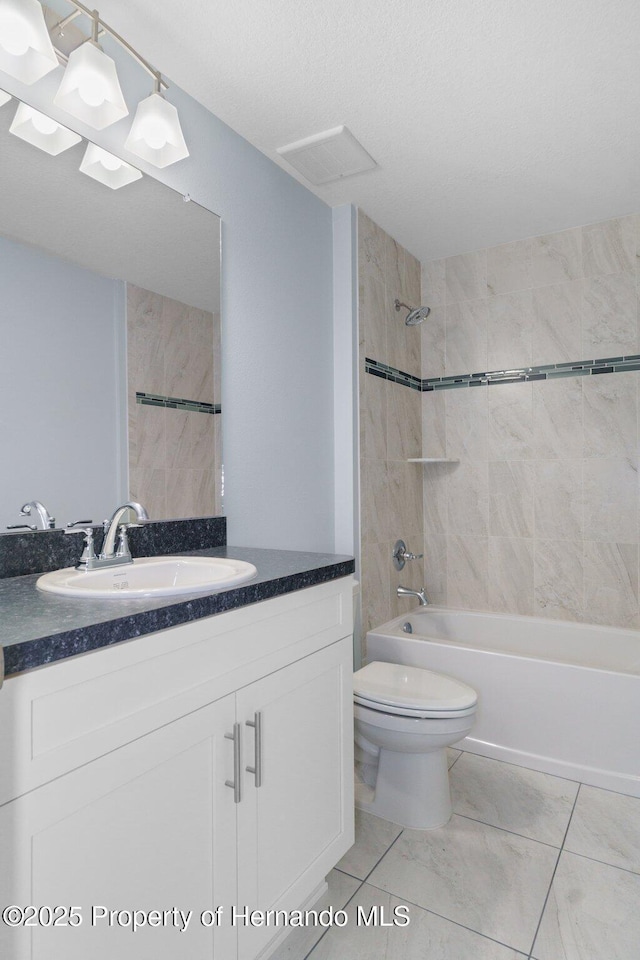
[(156, 134), (43, 132), (90, 89), (4, 98), (26, 51), (107, 169)]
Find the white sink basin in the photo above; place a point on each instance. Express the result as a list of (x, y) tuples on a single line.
[(149, 577)]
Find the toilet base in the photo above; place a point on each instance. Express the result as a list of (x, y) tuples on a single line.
[(426, 804)]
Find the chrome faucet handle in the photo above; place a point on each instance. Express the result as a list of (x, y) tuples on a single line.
[(89, 553), (401, 554), (123, 549), (78, 523), (21, 526)]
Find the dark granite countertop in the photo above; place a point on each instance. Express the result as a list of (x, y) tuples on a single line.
[(38, 628)]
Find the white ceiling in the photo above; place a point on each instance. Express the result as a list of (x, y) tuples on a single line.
[(490, 120)]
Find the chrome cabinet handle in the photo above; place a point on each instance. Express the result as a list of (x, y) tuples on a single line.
[(237, 762), (256, 723)]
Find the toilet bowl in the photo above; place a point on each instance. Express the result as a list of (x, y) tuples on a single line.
[(405, 718)]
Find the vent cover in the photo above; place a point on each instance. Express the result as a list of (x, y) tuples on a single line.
[(328, 156)]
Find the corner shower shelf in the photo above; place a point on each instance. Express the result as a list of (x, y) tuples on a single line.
[(432, 460)]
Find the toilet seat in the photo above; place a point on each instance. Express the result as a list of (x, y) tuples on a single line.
[(394, 688)]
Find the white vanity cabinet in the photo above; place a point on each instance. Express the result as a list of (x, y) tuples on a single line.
[(114, 773)]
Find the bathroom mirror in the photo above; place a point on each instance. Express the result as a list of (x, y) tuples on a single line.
[(109, 313)]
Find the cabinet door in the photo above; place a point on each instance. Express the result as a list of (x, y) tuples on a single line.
[(150, 826), (295, 826)]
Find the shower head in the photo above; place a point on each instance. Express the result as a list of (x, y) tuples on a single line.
[(415, 316)]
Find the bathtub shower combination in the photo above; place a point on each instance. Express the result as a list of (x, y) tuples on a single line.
[(559, 697)]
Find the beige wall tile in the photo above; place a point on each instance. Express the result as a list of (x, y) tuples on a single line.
[(376, 602), (405, 497), (468, 499), (610, 246), (610, 318), (468, 572), (435, 569), (435, 501), (172, 453), (534, 262), (559, 579), (557, 323), (611, 416), (373, 416), (510, 421), (433, 346), (558, 499), (404, 410), (375, 501), (374, 317), (147, 436), (611, 500), (433, 283), (509, 330), (466, 337), (371, 248), (434, 424), (611, 583), (466, 276), (403, 342), (147, 486), (511, 575), (467, 422), (511, 498), (558, 418)]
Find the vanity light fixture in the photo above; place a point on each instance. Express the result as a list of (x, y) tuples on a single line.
[(107, 168), (43, 132), (4, 98), (90, 89), (26, 51), (156, 135)]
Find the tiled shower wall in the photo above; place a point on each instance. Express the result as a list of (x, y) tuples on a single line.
[(541, 515), (390, 423), (173, 352)]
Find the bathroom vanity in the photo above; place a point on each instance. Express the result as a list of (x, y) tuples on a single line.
[(206, 764)]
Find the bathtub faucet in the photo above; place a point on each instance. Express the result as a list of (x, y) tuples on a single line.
[(419, 594)]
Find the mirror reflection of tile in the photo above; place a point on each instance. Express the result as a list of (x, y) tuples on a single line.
[(173, 354)]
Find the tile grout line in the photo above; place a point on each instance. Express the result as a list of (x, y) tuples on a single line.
[(442, 916), (555, 870), (325, 932)]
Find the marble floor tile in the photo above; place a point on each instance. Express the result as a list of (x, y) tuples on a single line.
[(535, 805), (486, 879), (302, 939), (592, 913), (606, 826), (426, 937), (373, 838)]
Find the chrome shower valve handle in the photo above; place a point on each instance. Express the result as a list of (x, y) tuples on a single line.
[(401, 554)]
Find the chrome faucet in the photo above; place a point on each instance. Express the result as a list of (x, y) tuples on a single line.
[(110, 556), (48, 522), (419, 594)]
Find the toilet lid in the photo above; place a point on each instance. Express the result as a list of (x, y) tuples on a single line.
[(414, 688)]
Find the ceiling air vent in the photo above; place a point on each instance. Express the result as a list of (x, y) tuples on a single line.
[(328, 156)]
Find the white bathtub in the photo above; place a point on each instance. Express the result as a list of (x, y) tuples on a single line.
[(563, 698)]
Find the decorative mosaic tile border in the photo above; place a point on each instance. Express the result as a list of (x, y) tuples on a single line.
[(549, 371), (175, 403)]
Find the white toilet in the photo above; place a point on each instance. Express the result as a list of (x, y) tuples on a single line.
[(405, 718)]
